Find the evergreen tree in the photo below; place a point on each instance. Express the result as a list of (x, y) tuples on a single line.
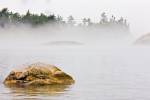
[(104, 18), (71, 20)]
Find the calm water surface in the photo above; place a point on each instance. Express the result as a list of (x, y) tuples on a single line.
[(100, 74)]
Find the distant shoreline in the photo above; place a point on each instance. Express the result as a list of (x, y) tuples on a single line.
[(8, 18)]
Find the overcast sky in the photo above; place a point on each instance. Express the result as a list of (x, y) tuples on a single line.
[(135, 11)]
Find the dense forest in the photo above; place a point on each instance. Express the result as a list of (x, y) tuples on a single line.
[(8, 18)]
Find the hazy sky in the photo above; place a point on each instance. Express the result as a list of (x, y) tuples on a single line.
[(136, 11)]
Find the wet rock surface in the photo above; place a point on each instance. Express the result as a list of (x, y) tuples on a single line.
[(38, 74)]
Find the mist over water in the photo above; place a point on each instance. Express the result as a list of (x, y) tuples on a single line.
[(29, 37), (134, 11), (106, 64), (22, 44)]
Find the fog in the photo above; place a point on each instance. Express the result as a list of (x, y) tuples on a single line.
[(134, 11), (50, 36), (106, 63), (23, 43)]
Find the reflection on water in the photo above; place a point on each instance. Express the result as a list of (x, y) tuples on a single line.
[(33, 92), (102, 74)]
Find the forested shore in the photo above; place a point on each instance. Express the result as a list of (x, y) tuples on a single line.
[(8, 18)]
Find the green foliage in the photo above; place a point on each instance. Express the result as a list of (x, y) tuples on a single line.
[(28, 18), (7, 17)]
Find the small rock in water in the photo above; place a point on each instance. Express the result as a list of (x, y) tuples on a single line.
[(144, 40), (38, 74)]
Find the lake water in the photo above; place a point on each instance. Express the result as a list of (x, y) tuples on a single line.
[(119, 73)]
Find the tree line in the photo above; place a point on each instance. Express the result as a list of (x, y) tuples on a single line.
[(7, 18)]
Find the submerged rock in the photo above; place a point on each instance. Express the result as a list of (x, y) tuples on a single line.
[(38, 74), (64, 43)]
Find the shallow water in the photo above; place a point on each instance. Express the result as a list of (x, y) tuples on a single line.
[(100, 74)]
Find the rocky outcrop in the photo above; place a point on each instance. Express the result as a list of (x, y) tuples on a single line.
[(38, 74), (143, 40)]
